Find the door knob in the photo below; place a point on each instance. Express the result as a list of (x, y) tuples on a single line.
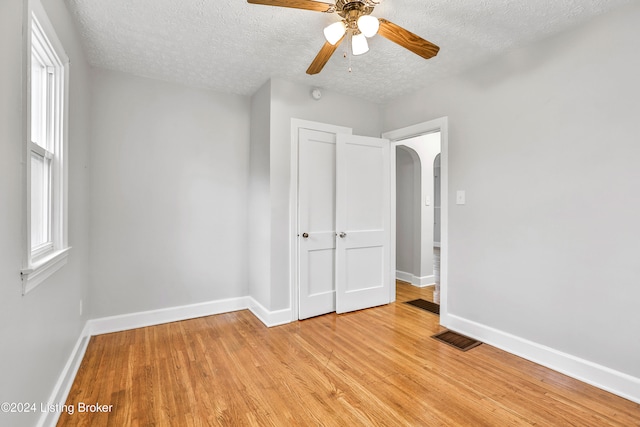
[(342, 234), (305, 235)]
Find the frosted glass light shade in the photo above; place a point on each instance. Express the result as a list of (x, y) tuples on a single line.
[(359, 44), (334, 32), (368, 25)]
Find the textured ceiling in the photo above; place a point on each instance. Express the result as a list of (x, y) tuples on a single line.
[(233, 46)]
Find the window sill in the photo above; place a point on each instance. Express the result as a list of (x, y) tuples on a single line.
[(40, 270)]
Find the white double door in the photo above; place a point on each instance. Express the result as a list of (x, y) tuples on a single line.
[(343, 222)]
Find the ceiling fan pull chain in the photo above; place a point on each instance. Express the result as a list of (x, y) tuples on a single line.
[(344, 46), (347, 50)]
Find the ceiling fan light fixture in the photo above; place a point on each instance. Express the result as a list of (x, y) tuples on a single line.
[(356, 25), (334, 32), (359, 44), (368, 25)]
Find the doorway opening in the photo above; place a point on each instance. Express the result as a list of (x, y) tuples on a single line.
[(417, 211), (426, 207)]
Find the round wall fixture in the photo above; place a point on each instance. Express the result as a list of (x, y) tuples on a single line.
[(316, 94)]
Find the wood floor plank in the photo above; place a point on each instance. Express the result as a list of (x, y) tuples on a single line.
[(370, 368)]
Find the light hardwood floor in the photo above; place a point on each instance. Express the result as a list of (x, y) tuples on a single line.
[(376, 367)]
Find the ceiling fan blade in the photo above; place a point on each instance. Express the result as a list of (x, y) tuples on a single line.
[(297, 4), (322, 57), (407, 39)]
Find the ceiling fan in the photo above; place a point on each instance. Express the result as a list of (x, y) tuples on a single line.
[(357, 24)]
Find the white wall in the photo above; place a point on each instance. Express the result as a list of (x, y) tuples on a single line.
[(292, 100), (408, 224), (545, 142), (38, 331), (169, 195), (259, 214)]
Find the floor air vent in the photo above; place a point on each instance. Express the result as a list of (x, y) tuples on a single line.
[(425, 305), (456, 340)]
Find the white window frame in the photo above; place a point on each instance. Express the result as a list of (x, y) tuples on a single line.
[(42, 261)]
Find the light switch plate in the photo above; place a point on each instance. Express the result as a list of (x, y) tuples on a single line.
[(460, 197), (427, 201)]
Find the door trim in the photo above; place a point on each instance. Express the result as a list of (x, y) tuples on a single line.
[(296, 125), (438, 125)]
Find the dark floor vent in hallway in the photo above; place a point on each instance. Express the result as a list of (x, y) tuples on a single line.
[(456, 340), (425, 305)]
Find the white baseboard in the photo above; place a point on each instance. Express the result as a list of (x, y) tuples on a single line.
[(405, 277), (424, 281), (142, 319), (420, 282), (616, 382), (125, 322), (270, 318), (65, 381)]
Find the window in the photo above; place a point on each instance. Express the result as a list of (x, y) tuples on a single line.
[(45, 167)]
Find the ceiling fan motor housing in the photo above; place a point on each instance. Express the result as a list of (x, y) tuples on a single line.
[(351, 10)]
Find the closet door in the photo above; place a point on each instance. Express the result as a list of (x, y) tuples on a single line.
[(316, 222), (363, 209)]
